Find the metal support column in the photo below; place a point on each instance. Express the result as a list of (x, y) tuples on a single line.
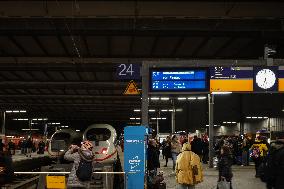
[(145, 96), (158, 116), (30, 126), (45, 129), (211, 129), (173, 117), (3, 122)]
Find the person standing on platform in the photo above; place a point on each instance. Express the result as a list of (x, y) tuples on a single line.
[(188, 168), (272, 169), (1, 146), (197, 146), (225, 165), (167, 150), (259, 150), (153, 162), (245, 151), (205, 151), (29, 145), (175, 150)]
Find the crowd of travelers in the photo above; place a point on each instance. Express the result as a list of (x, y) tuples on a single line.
[(26, 147), (232, 150)]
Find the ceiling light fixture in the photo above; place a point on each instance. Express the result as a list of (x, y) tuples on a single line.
[(30, 129), (155, 98), (21, 119), (191, 98), (137, 110), (201, 98), (165, 98), (15, 111), (221, 93), (181, 98)]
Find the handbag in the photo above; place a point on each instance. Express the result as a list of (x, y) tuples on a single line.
[(223, 184)]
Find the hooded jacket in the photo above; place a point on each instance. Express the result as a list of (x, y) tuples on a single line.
[(186, 162), (278, 168), (87, 155)]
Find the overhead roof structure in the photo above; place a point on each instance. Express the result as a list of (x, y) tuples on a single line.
[(57, 58)]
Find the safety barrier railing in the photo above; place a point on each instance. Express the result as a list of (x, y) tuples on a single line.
[(66, 173)]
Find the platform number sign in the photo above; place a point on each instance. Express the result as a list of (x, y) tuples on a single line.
[(128, 71)]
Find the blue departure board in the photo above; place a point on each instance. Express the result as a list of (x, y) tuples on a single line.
[(179, 80)]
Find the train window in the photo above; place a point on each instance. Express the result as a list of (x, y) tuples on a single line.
[(98, 134), (61, 136)]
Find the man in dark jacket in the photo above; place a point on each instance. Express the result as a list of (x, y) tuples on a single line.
[(1, 146), (275, 165), (205, 151), (153, 158), (197, 146)]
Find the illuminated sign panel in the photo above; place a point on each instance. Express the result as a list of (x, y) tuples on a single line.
[(179, 80), (281, 79), (235, 79)]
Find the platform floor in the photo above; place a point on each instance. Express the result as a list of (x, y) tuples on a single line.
[(243, 177), (21, 157)]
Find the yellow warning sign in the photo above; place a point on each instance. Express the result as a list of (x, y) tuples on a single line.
[(57, 182), (131, 89)]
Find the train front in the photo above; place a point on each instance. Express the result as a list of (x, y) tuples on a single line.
[(103, 137)]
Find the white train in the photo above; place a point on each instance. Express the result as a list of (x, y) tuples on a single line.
[(103, 137), (61, 140)]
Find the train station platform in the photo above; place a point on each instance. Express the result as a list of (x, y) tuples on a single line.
[(22, 157), (243, 177)]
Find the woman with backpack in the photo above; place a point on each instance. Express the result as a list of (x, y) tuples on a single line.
[(258, 151), (82, 170)]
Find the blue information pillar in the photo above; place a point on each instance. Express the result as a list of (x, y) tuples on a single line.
[(135, 155)]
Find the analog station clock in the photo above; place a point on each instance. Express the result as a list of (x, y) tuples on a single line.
[(265, 79)]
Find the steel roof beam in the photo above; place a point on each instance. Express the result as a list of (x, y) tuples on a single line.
[(158, 32), (41, 46), (18, 45), (91, 9), (66, 63)]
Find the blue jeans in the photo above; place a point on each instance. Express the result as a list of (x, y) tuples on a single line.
[(174, 156), (185, 186)]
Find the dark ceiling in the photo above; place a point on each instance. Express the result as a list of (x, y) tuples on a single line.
[(57, 58)]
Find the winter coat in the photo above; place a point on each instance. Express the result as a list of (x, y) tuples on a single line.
[(87, 155), (262, 146), (186, 162), (225, 167), (277, 174), (167, 149), (153, 158), (175, 147), (197, 146)]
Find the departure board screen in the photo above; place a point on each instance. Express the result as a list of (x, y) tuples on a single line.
[(179, 80)]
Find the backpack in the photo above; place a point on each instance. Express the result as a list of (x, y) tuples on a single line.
[(255, 153), (196, 168), (85, 170)]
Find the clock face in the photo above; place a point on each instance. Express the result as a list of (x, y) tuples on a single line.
[(265, 78)]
